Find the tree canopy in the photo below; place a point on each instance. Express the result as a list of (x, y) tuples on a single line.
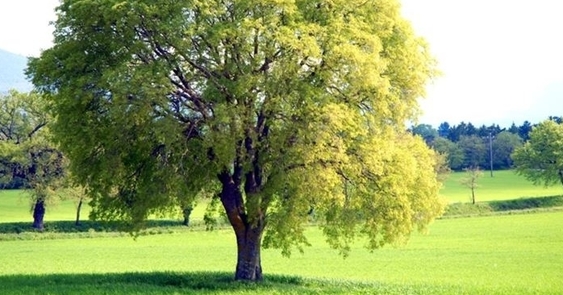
[(288, 107), (27, 154), (540, 159)]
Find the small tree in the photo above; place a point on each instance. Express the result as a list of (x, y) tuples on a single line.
[(470, 180)]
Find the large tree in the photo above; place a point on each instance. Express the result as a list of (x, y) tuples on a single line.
[(26, 151), (288, 106), (540, 159)]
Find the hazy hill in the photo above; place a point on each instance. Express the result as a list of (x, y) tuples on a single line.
[(12, 75)]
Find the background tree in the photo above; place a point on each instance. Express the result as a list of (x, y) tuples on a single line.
[(556, 119), (444, 130), (485, 131), (513, 129), (470, 180), (504, 145), (454, 156), (524, 130), (540, 159), (285, 105), (26, 151), (474, 151), (426, 131)]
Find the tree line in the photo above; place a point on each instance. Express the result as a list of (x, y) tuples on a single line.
[(485, 147)]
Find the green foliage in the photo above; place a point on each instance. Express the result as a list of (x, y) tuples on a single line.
[(474, 150), (504, 145), (287, 106), (451, 150), (425, 131), (26, 149), (540, 159)]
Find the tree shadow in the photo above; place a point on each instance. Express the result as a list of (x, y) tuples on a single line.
[(88, 226), (150, 283)]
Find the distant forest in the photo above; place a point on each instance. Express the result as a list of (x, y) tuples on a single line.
[(486, 147)]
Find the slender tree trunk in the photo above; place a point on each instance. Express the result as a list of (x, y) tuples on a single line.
[(78, 208), (38, 214), (248, 234)]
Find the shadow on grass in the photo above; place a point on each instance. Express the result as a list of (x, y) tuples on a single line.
[(149, 283), (89, 227)]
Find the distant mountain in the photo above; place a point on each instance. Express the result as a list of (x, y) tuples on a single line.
[(12, 67)]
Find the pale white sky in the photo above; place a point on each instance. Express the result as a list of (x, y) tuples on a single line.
[(502, 60)]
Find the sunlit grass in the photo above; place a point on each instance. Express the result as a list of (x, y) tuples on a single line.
[(504, 185), (499, 254), (508, 254), (15, 206)]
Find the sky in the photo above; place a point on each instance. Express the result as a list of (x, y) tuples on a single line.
[(501, 60)]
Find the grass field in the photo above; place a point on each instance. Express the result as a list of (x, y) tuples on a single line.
[(15, 206), (499, 254), (481, 255), (504, 185)]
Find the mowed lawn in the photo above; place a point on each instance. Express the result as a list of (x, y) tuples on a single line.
[(504, 185)]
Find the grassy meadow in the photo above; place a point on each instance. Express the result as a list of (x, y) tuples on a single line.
[(509, 253), (504, 185)]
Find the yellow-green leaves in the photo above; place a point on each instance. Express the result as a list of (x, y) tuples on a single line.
[(300, 105)]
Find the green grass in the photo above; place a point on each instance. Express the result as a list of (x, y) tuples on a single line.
[(15, 207), (504, 185), (498, 254), (505, 254)]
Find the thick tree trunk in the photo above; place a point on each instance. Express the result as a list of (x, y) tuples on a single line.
[(38, 214), (249, 267), (248, 233)]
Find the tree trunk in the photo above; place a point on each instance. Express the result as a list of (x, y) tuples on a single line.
[(186, 212), (78, 208), (38, 214), (248, 233), (249, 267)]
